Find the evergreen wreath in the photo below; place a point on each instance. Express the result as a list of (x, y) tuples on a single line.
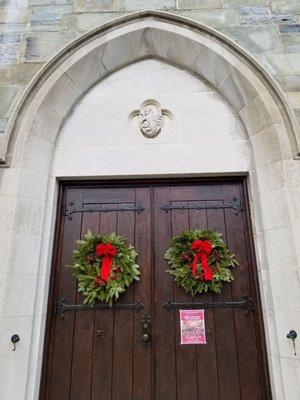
[(104, 267), (200, 261)]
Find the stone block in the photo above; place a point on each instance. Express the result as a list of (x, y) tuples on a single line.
[(49, 15), (290, 82), (3, 122), (250, 15), (87, 21), (245, 3), (212, 67), (260, 114), (237, 90), (215, 18), (294, 61), (42, 46), (8, 94), (291, 42), (266, 147), (133, 5), (275, 63), (9, 53), (10, 38), (289, 28), (16, 15), (18, 74), (97, 5), (256, 39), (198, 4), (284, 6)]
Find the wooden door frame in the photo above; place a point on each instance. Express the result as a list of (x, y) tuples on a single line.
[(180, 181)]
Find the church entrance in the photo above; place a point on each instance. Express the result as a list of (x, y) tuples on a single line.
[(133, 351)]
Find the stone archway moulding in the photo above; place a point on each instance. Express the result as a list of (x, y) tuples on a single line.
[(59, 85)]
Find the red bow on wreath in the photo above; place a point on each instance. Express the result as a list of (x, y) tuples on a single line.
[(202, 248), (108, 251)]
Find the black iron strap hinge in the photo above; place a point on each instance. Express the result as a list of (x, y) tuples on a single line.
[(68, 208), (246, 303), (235, 204), (61, 307)]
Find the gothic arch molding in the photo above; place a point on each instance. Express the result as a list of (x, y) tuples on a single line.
[(59, 85)]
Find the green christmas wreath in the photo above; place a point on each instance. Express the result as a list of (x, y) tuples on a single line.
[(200, 261), (104, 267)]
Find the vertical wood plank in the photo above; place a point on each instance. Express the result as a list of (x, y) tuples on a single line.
[(165, 362), (227, 359), (142, 360), (104, 321), (250, 377), (62, 350), (186, 378), (82, 360)]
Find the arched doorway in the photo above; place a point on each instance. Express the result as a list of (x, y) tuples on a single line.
[(39, 118)]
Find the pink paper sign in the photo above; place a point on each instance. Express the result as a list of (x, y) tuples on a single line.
[(192, 327)]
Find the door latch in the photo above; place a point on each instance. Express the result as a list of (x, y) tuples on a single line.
[(146, 329)]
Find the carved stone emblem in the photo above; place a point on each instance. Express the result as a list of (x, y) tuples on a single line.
[(150, 119)]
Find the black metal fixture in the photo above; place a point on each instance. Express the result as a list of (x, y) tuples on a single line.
[(246, 304), (69, 208), (15, 339), (235, 204), (146, 329), (61, 307), (293, 335)]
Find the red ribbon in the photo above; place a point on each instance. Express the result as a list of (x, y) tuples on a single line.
[(203, 248), (108, 251)]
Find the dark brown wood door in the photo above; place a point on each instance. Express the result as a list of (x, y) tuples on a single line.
[(99, 354)]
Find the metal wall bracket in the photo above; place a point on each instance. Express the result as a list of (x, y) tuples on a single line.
[(61, 307), (246, 304), (69, 209), (235, 204)]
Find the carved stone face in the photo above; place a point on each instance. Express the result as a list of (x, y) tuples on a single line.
[(150, 120)]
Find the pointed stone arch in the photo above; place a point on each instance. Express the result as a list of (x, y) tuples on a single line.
[(59, 85)]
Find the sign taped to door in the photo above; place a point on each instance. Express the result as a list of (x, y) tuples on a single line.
[(192, 327)]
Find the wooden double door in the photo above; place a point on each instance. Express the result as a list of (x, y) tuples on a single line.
[(100, 355)]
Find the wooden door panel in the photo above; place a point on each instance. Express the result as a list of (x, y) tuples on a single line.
[(99, 355)]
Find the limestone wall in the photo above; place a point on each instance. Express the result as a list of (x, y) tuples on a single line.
[(32, 31)]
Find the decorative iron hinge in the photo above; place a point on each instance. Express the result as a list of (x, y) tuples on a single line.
[(61, 307), (69, 209), (235, 204), (246, 304)]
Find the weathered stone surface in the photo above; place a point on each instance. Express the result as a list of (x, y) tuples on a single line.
[(241, 3), (42, 2), (87, 21), (42, 46), (289, 81), (289, 28), (132, 5), (18, 74), (285, 6), (7, 96), (3, 122), (198, 4), (275, 63), (256, 39), (10, 38), (14, 15), (215, 18), (9, 53), (97, 5), (249, 15), (291, 42)]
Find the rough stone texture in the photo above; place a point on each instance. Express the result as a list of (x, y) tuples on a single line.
[(35, 30), (198, 4)]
